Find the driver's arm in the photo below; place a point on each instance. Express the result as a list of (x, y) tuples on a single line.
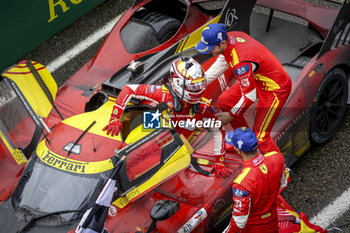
[(138, 91), (241, 208), (219, 145), (216, 69), (244, 73)]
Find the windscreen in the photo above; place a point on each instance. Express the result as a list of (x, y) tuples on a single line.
[(43, 189), (15, 123)]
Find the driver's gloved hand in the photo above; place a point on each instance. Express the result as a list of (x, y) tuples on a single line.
[(113, 127), (219, 167), (114, 124)]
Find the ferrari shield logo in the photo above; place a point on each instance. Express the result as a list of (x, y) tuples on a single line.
[(263, 168), (239, 39)]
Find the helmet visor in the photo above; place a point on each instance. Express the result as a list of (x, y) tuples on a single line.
[(196, 85)]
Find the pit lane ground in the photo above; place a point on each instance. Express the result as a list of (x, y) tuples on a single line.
[(320, 177)]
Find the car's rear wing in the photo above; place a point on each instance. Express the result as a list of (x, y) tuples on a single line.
[(339, 34)]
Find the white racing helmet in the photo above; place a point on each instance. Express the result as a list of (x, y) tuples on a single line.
[(187, 79)]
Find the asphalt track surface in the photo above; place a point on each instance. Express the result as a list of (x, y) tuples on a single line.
[(320, 177)]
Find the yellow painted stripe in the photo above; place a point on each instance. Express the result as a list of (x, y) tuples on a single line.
[(8, 146), (191, 40), (268, 117), (16, 154), (241, 176), (178, 49), (302, 149), (70, 165)]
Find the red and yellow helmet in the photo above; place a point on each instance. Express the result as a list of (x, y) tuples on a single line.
[(188, 80)]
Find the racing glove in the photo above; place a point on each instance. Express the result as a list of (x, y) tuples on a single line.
[(219, 167), (114, 124)]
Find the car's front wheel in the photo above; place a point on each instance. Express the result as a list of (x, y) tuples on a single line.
[(329, 107)]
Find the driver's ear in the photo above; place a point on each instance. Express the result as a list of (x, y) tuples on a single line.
[(237, 151), (223, 43)]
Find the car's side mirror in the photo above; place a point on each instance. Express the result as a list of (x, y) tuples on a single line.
[(162, 210)]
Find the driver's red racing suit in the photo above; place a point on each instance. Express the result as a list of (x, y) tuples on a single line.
[(255, 192), (158, 94), (259, 76)]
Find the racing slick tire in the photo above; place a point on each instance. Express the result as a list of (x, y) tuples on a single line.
[(329, 106), (148, 30), (164, 26)]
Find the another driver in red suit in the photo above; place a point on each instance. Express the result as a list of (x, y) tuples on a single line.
[(187, 84), (256, 188), (259, 76)]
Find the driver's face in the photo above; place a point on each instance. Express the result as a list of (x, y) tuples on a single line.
[(220, 48)]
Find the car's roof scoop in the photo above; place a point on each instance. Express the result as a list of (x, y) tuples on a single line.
[(150, 69)]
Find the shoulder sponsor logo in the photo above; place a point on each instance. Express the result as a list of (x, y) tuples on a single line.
[(242, 70), (239, 193), (154, 87), (258, 160)]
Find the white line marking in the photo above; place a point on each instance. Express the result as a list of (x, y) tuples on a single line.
[(333, 211), (81, 46)]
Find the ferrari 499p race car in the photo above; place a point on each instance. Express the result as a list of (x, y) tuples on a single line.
[(55, 159)]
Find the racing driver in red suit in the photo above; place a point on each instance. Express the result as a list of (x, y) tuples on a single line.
[(184, 96), (256, 188), (259, 76)]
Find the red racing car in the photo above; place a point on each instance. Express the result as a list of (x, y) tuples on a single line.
[(55, 158)]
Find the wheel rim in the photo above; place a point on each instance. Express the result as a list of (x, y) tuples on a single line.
[(330, 106)]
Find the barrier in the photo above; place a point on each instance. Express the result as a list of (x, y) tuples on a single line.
[(25, 24)]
